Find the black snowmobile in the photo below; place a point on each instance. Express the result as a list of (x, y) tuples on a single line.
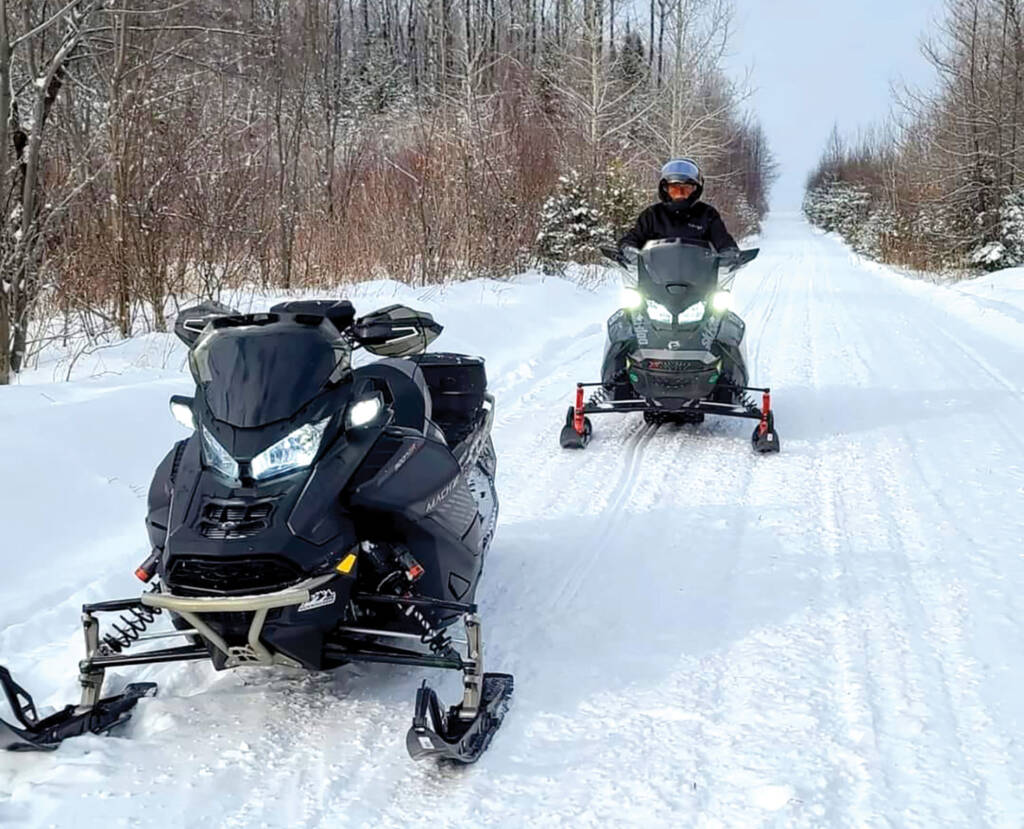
[(675, 351), (318, 515)]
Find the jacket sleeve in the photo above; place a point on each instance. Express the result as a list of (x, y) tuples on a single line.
[(719, 236), (640, 232)]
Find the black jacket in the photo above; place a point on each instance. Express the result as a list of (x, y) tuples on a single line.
[(699, 223)]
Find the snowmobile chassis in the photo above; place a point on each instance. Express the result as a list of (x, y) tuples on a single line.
[(577, 431), (461, 734)]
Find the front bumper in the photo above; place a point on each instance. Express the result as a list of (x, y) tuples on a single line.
[(254, 652)]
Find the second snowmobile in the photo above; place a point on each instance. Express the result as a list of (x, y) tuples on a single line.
[(675, 350), (319, 514)]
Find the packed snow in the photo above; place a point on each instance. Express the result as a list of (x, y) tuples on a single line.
[(700, 636)]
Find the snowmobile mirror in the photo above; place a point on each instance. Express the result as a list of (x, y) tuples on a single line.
[(733, 260), (181, 409), (396, 331), (613, 254), (191, 321)]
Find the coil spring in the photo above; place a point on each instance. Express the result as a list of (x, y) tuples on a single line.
[(135, 622), (437, 640)]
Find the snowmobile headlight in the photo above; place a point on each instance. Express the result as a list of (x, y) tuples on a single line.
[(658, 312), (721, 301), (294, 451), (218, 457), (365, 411), (695, 313), (630, 298), (181, 410)]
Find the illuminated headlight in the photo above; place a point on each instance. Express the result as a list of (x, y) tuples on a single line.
[(292, 452), (695, 313), (364, 412), (721, 301), (218, 457), (658, 312), (182, 412), (630, 298)]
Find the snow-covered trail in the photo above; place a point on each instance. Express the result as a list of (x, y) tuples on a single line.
[(700, 636)]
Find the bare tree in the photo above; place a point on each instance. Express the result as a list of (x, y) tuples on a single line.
[(34, 59)]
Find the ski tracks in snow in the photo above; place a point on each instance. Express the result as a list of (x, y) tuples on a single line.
[(922, 746)]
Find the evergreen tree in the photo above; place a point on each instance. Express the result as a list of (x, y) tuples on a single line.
[(1007, 250), (571, 226), (620, 199)]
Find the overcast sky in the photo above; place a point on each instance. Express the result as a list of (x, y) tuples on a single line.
[(819, 62)]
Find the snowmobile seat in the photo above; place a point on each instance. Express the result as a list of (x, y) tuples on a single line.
[(458, 383), (406, 389)]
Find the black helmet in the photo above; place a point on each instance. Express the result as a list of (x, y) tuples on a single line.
[(684, 170)]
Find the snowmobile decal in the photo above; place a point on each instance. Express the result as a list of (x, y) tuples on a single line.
[(640, 331), (321, 598)]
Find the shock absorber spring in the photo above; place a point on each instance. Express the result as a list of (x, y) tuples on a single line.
[(437, 640), (132, 625)]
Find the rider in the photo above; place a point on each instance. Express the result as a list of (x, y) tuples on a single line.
[(679, 214)]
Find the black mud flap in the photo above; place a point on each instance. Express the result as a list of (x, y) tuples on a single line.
[(46, 734), (569, 438), (447, 737), (768, 440)]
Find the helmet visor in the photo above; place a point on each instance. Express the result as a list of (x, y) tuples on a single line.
[(681, 170)]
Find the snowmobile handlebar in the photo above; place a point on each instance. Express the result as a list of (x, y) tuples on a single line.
[(730, 260)]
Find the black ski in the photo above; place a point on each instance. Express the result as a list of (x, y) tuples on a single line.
[(46, 734), (448, 737)]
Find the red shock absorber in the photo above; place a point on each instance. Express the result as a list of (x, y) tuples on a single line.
[(766, 407), (577, 417)]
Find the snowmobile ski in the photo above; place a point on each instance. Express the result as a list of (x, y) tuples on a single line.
[(577, 430), (442, 736), (765, 439), (46, 734)]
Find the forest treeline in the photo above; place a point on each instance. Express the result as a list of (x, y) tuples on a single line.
[(164, 150), (940, 187)]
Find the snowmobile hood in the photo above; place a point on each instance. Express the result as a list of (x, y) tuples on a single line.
[(260, 368)]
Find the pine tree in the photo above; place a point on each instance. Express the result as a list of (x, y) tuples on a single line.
[(620, 199), (1008, 250), (571, 226)]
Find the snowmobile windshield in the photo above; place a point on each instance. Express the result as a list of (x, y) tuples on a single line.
[(259, 369), (676, 274)]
